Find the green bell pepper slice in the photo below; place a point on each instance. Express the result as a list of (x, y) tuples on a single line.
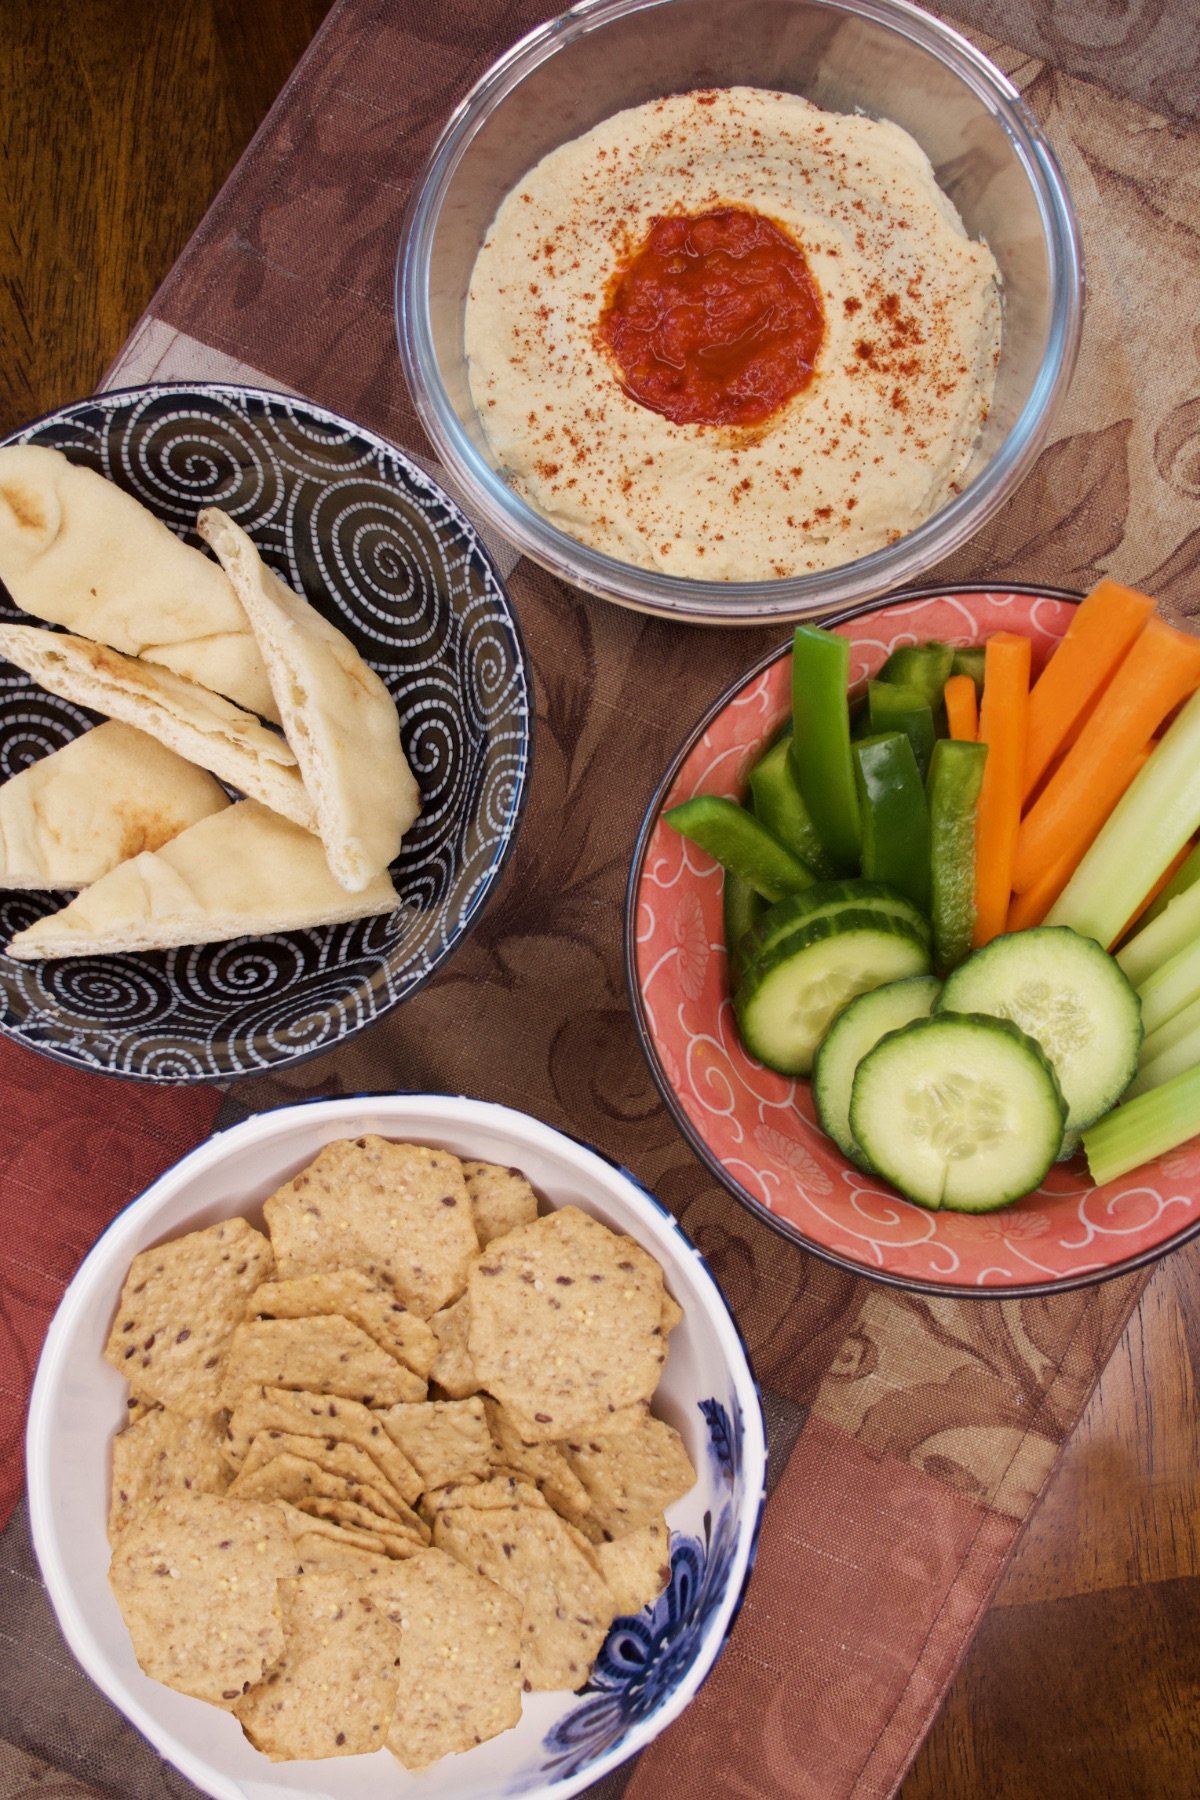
[(820, 750), (894, 708), (740, 843), (742, 907), (895, 816), (970, 661), (776, 799), (925, 667), (955, 778)]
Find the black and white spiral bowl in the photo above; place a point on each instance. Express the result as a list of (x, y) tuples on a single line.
[(391, 560)]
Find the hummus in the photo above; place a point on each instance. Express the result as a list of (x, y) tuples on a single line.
[(876, 438)]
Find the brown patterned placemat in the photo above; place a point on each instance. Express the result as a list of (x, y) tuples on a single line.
[(910, 1438)]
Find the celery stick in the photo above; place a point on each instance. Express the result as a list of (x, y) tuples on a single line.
[(1170, 988), (1185, 875), (1175, 1028), (1149, 825), (1154, 1070), (1170, 933), (1139, 1130)]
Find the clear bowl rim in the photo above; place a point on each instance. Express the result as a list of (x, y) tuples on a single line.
[(752, 602), (1029, 1290)]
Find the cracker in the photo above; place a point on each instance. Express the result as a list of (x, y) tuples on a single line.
[(444, 1440), (327, 1416), (353, 1294), (637, 1567), (460, 1657), (195, 1578), (543, 1463), (396, 1540), (178, 1309), (566, 1609), (302, 1524), (319, 1553), (334, 1691), (566, 1324), (631, 1476), (324, 1355), (501, 1199), (452, 1368), (336, 1458), (672, 1313), (485, 1496), (294, 1478), (163, 1453), (399, 1211)]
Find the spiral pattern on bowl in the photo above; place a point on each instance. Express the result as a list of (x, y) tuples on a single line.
[(388, 558)]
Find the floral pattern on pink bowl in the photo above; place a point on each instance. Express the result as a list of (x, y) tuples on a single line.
[(757, 1130)]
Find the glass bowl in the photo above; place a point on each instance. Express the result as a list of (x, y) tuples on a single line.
[(881, 57)]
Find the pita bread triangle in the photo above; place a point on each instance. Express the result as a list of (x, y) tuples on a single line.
[(338, 715), (240, 873), (78, 551), (75, 814), (187, 718)]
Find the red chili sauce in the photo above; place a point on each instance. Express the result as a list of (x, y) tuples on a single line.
[(716, 319)]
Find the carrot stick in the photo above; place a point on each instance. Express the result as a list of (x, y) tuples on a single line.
[(1162, 667), (1103, 629), (1031, 907), (1002, 729), (1172, 869), (962, 708)]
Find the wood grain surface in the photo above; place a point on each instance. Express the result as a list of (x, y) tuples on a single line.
[(121, 120)]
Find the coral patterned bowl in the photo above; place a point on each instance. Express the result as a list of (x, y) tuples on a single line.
[(757, 1130)]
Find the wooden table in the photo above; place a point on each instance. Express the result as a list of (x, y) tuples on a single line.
[(122, 119)]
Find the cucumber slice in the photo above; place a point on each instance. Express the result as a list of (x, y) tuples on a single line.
[(958, 1111), (791, 993), (854, 1032), (825, 900), (1070, 995)]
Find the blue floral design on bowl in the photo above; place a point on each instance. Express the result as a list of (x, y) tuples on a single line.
[(645, 1657)]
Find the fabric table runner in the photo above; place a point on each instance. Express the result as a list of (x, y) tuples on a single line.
[(909, 1437)]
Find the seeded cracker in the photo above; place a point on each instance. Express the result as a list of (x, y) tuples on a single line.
[(334, 1691), (178, 1309), (163, 1453), (637, 1567), (501, 1199), (566, 1324), (496, 1492), (321, 1555), (452, 1369), (396, 1540), (301, 1524), (544, 1463), (631, 1476), (319, 1415), (460, 1657), (566, 1609), (399, 1211), (294, 1478), (326, 1355), (195, 1578), (346, 1461), (445, 1440), (351, 1293)]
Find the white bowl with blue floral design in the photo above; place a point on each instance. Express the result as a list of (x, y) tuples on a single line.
[(650, 1665)]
